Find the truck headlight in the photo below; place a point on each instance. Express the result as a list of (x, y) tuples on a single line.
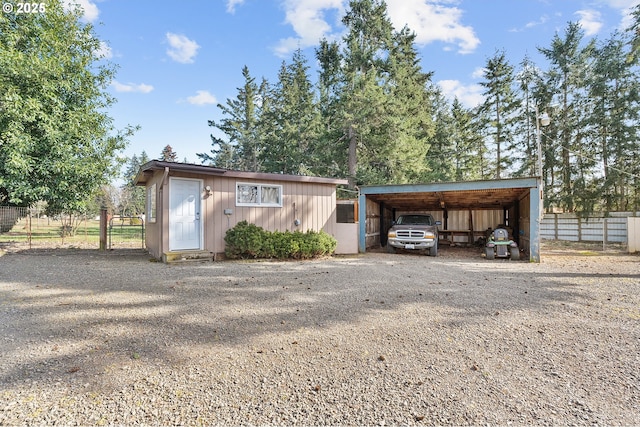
[(392, 234), (429, 236)]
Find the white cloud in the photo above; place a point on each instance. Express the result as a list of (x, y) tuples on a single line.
[(433, 22), (131, 87), (181, 49), (532, 24), (622, 4), (625, 7), (590, 21), (470, 96), (104, 52), (202, 97), (231, 5), (90, 11), (307, 17), (478, 73)]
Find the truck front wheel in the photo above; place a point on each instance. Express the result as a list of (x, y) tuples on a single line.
[(433, 250)]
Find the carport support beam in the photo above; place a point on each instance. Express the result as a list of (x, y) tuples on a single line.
[(535, 217), (362, 220)]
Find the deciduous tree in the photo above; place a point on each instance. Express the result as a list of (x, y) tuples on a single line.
[(57, 141)]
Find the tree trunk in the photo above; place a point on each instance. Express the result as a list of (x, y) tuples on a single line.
[(352, 157)]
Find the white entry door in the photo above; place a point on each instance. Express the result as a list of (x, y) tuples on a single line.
[(184, 214)]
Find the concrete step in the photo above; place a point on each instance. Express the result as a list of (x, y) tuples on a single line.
[(173, 257)]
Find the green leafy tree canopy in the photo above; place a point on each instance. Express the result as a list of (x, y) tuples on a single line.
[(57, 142)]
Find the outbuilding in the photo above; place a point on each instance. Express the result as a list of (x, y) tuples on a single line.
[(190, 207), (466, 210)]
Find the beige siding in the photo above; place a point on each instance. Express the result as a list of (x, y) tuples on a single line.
[(153, 230), (313, 204)]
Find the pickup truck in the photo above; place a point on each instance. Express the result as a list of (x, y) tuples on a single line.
[(414, 232)]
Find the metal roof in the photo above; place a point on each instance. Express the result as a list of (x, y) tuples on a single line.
[(146, 171)]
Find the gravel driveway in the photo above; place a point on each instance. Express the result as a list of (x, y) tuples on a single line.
[(100, 339)]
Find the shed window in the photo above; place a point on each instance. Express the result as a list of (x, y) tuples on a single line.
[(258, 195)]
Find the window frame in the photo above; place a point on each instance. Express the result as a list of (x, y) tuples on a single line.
[(259, 203)]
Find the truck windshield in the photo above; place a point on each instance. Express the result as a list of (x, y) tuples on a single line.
[(414, 219)]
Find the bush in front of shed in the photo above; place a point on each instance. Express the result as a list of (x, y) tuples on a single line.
[(250, 241)]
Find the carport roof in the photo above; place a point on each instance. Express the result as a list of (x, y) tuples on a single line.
[(487, 194)]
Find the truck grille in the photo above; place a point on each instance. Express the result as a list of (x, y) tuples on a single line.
[(415, 234)]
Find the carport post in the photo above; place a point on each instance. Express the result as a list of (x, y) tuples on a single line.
[(535, 217), (362, 219)]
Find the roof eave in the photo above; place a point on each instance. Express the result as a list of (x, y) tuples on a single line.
[(210, 170)]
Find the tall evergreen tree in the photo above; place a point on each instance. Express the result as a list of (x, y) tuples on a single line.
[(367, 43), (440, 158), (499, 108), (291, 123), (469, 147), (168, 155), (633, 57), (569, 62), (409, 125), (331, 148), (524, 142), (134, 194), (613, 86), (375, 99), (240, 147)]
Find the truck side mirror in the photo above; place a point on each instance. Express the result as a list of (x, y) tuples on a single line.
[(438, 222)]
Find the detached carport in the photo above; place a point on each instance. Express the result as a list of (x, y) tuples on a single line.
[(464, 208)]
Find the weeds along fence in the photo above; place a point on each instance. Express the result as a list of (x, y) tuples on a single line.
[(30, 228)]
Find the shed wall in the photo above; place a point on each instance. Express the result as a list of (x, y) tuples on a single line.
[(313, 204), (153, 230)]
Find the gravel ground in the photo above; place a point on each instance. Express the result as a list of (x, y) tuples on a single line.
[(101, 339)]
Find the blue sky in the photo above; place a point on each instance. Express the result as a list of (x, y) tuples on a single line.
[(177, 60)]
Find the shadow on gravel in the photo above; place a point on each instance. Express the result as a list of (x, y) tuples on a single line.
[(79, 315)]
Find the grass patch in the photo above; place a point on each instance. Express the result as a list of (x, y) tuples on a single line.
[(47, 231)]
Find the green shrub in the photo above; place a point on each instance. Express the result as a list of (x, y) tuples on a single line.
[(244, 241), (250, 241)]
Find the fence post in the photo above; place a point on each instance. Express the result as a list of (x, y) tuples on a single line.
[(29, 231), (579, 229), (103, 229)]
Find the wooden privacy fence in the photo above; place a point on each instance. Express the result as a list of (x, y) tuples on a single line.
[(596, 228)]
